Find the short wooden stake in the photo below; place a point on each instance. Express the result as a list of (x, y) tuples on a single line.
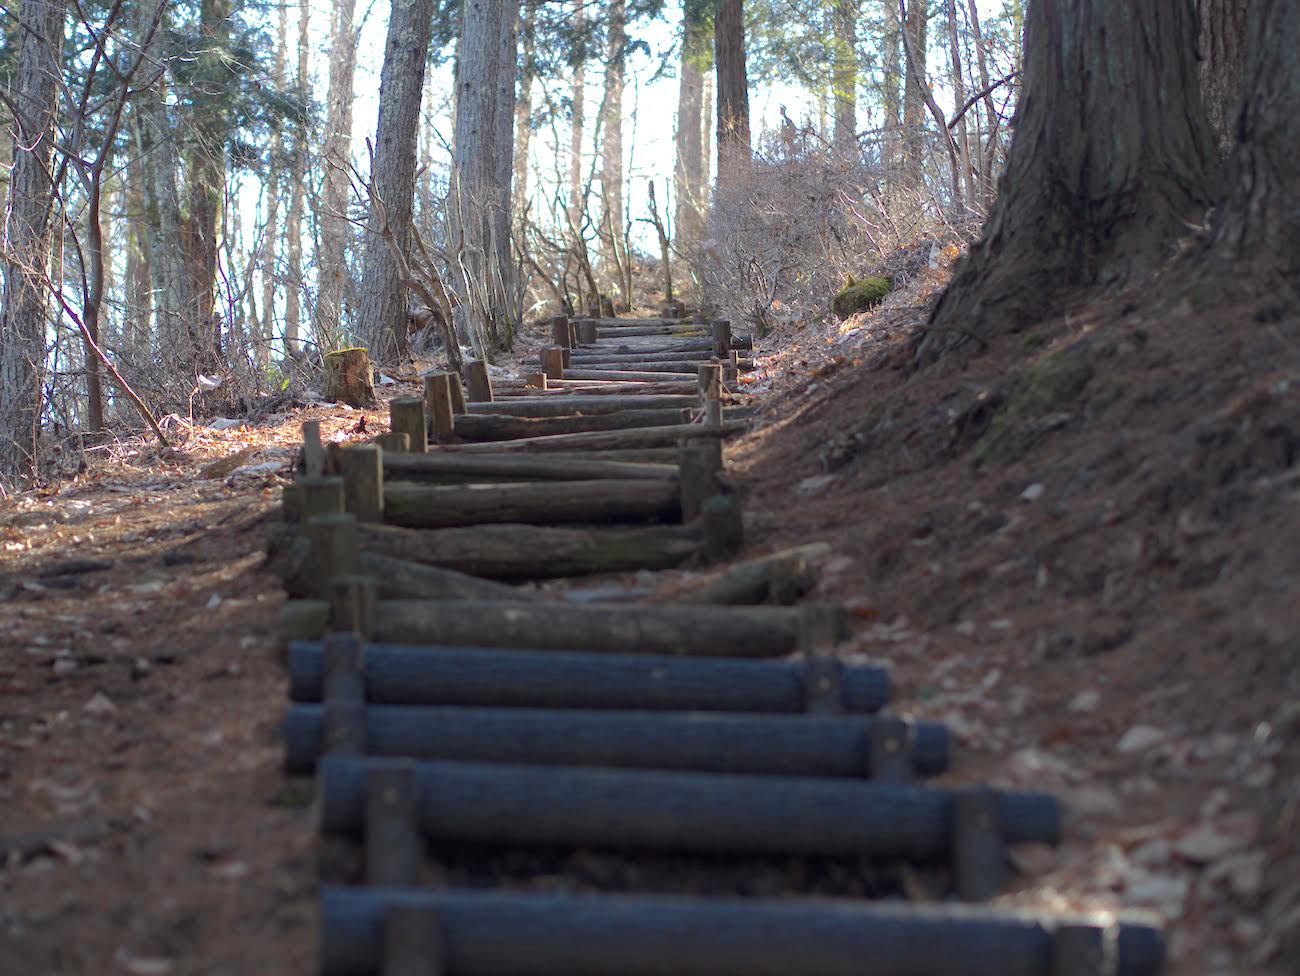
[(394, 442), (479, 382), (352, 604), (319, 495), (412, 941), (535, 381), (711, 391), (723, 527), (438, 396), (891, 749), (560, 332), (343, 715), (313, 451), (978, 850), (731, 368), (823, 685), (393, 846), (363, 481), (1085, 950), (698, 478), (457, 392), (553, 362), (721, 338), (335, 548), (406, 416), (587, 332)]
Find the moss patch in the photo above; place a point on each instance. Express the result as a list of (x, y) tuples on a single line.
[(1043, 398), (858, 296)]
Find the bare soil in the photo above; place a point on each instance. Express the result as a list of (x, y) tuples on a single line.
[(1079, 548)]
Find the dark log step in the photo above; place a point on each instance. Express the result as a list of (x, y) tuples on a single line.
[(601, 440), (506, 933), (399, 579), (609, 332), (693, 812), (782, 745), (504, 427), (563, 406), (437, 466), (423, 506), (706, 631), (517, 552), (596, 353), (397, 674), (623, 364), (674, 380)]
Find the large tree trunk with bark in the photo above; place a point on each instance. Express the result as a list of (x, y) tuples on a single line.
[(914, 41), (689, 174), (611, 136), (893, 71), (844, 69), (293, 222), (733, 90), (1222, 40), (524, 104), (578, 109), (1258, 227), (336, 154), (1112, 156), (26, 296), (401, 86)]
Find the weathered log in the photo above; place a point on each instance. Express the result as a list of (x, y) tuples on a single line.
[(505, 427), (424, 506), (607, 627), (621, 375), (721, 331), (512, 933), (487, 468), (768, 745), (608, 332), (363, 481), (552, 359), (348, 377), (400, 579), (457, 392), (401, 674), (394, 442), (781, 578), (620, 387), (622, 365), (606, 440), (560, 334), (515, 552), (563, 406), (654, 810), (303, 619), (406, 416), (479, 382), (698, 478), (437, 395), (597, 354), (587, 334), (724, 527)]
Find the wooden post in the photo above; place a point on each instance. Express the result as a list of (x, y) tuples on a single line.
[(711, 392), (731, 369), (335, 549), (890, 758), (587, 332), (363, 481), (480, 384), (561, 335), (393, 845), (698, 478), (352, 604), (406, 416), (977, 845), (319, 495), (553, 362), (723, 527), (823, 672), (438, 395), (535, 380), (313, 451), (721, 338), (343, 715), (457, 393), (394, 442), (412, 941), (1084, 950)]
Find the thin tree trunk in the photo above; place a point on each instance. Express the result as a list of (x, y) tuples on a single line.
[(915, 46), (893, 72), (959, 99), (271, 231), (689, 172), (383, 294), (989, 151), (844, 69), (579, 98), (24, 304), (504, 314), (733, 91), (1112, 155), (524, 105), (293, 222), (336, 158), (611, 133)]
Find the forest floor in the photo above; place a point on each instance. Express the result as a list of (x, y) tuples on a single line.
[(1079, 549)]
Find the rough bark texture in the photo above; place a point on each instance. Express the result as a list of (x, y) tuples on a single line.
[(1259, 225), (914, 45), (576, 126), (1222, 39), (844, 67), (689, 173), (401, 85), (733, 88), (26, 296), (524, 104), (293, 221), (611, 148), (336, 156), (893, 72), (1111, 157)]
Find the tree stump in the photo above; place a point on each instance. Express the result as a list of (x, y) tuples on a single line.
[(348, 377)]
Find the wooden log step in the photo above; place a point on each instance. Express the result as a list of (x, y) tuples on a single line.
[(437, 466), (781, 745), (622, 365), (504, 426), (607, 332), (513, 933), (399, 579), (424, 506), (696, 812), (708, 631), (606, 440), (596, 354), (405, 674), (578, 387), (781, 578), (563, 406), (689, 380), (517, 552)]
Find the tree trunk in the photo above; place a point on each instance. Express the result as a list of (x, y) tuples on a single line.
[(844, 68), (1223, 30), (25, 302), (401, 86), (914, 45), (611, 134), (293, 222), (689, 174), (576, 202), (733, 90), (336, 154), (1259, 223), (893, 71), (504, 313), (1111, 157), (524, 105), (958, 80)]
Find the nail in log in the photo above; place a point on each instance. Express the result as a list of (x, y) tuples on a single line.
[(480, 384), (406, 416)]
